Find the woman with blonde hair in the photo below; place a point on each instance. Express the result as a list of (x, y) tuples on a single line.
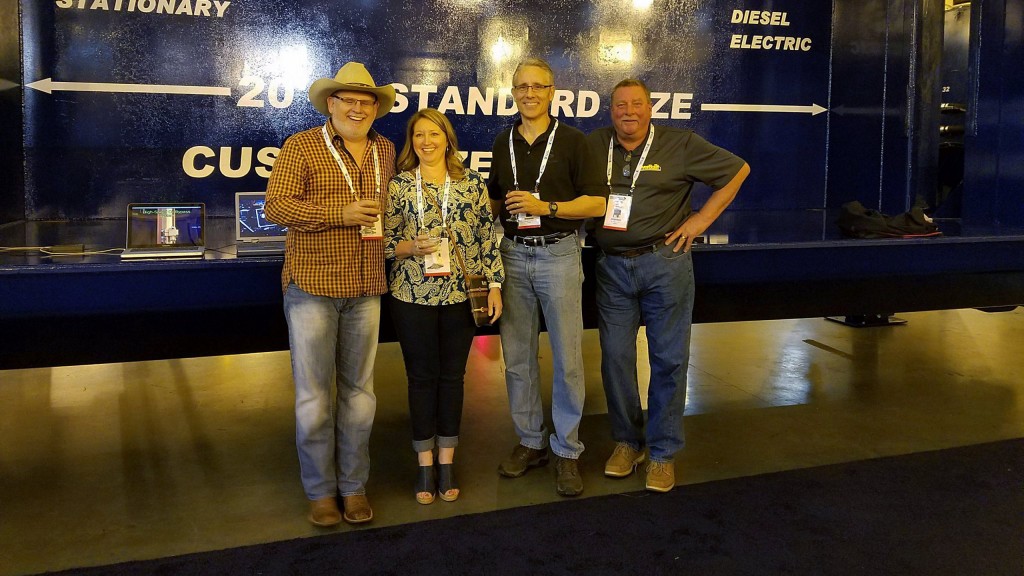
[(437, 207)]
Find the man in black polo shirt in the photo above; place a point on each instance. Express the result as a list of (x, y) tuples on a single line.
[(535, 186), (645, 272)]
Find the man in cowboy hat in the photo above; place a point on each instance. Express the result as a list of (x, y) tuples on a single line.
[(327, 186)]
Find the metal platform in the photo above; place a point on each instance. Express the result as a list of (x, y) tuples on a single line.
[(93, 309)]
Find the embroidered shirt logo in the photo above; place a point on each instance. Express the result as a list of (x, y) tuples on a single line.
[(651, 168)]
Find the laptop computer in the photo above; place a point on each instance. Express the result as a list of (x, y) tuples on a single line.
[(165, 230), (254, 234)]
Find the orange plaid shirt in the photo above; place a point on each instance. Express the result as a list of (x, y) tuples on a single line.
[(306, 193)]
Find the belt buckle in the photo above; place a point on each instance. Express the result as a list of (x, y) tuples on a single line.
[(534, 240)]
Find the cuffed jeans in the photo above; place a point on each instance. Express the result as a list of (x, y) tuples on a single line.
[(333, 345), (658, 289), (548, 279), (435, 344)]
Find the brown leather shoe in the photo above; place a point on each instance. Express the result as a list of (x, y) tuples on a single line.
[(521, 460), (357, 509), (324, 512)]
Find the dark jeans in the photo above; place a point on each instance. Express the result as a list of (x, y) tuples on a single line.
[(658, 289), (435, 344)]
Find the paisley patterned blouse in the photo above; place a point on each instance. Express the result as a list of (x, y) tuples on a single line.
[(469, 217)]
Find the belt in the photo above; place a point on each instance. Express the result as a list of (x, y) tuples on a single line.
[(634, 252), (540, 240)]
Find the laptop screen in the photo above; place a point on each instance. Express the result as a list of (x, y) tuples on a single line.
[(166, 225), (251, 224)]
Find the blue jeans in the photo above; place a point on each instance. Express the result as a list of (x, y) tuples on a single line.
[(546, 279), (656, 288), (333, 345)]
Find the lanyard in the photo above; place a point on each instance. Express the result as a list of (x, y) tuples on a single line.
[(643, 157), (344, 170), (420, 203), (543, 162)]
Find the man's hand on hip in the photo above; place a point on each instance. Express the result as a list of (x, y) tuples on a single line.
[(683, 236)]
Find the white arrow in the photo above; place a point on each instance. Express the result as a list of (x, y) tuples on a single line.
[(48, 85), (6, 84), (813, 109)]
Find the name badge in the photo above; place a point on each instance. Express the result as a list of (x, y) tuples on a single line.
[(375, 232), (438, 263), (617, 216), (526, 221)]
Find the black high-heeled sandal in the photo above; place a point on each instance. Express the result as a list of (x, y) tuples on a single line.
[(426, 483), (446, 482)]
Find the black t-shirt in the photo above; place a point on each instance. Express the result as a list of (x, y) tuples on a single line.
[(661, 202), (562, 180)]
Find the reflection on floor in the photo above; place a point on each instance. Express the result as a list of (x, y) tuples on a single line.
[(105, 463)]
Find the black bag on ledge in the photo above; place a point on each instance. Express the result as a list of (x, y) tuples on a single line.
[(856, 221)]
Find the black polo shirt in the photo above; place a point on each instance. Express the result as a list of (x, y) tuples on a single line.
[(562, 180), (661, 202)]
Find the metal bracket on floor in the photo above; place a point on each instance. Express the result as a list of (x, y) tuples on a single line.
[(867, 320)]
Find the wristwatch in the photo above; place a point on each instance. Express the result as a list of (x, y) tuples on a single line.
[(553, 208)]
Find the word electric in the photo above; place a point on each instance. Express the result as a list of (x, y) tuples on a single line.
[(758, 42)]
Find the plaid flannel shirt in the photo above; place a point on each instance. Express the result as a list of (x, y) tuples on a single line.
[(306, 193)]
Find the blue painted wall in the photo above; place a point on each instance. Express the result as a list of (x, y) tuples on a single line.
[(113, 148), (884, 105), (994, 143), (870, 62)]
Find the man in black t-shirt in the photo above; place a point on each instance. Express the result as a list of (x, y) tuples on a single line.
[(536, 187)]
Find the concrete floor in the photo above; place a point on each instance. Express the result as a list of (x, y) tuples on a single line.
[(114, 462)]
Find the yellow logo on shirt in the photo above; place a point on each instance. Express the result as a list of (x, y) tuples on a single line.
[(651, 168)]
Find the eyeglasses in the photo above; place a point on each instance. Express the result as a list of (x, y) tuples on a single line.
[(524, 88), (628, 158), (351, 102)]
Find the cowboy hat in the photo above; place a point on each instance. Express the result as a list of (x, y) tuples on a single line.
[(354, 77)]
